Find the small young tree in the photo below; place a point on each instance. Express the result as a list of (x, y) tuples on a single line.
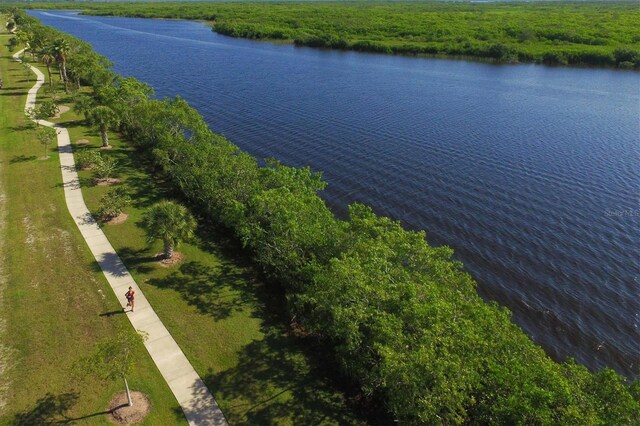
[(169, 222), (104, 168), (87, 158), (26, 69), (13, 43), (45, 110), (10, 26), (46, 136), (113, 358), (113, 202)]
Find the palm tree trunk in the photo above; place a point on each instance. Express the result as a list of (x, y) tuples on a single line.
[(168, 249), (49, 73), (64, 76), (105, 137)]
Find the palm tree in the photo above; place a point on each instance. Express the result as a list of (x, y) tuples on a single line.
[(84, 105), (61, 48), (103, 117), (47, 58), (169, 222)]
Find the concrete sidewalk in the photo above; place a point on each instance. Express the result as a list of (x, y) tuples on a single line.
[(199, 406)]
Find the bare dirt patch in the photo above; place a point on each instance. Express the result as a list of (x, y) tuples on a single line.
[(175, 259), (121, 218), (108, 182), (106, 147), (30, 238), (7, 353), (82, 141), (120, 413), (61, 110)]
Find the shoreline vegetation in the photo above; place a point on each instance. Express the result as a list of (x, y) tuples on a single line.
[(601, 34), (398, 318)]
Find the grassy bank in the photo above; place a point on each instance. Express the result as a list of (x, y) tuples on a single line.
[(55, 304), (580, 33)]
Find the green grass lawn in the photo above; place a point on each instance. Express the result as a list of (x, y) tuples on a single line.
[(54, 304), (230, 327)]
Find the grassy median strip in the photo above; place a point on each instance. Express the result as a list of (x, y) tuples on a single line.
[(55, 305)]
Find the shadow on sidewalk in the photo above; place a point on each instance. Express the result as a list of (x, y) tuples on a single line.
[(111, 263)]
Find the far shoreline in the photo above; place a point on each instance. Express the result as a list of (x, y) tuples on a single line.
[(551, 34)]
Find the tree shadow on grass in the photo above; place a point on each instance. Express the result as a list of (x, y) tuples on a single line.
[(274, 384), (28, 125), (136, 260), (215, 291), (71, 123), (145, 191), (10, 93), (22, 159), (49, 410)]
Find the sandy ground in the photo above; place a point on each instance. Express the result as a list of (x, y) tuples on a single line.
[(5, 350), (61, 110), (122, 414)]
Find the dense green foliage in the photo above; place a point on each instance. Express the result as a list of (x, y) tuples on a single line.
[(598, 33), (114, 202), (402, 318)]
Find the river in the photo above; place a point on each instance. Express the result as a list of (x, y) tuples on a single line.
[(531, 173)]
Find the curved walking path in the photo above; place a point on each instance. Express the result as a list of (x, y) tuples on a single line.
[(199, 406)]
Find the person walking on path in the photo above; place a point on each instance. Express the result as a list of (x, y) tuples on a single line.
[(130, 295)]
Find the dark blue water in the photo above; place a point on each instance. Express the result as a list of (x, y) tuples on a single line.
[(531, 173)]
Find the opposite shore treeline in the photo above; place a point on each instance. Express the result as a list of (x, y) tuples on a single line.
[(582, 33), (402, 319)]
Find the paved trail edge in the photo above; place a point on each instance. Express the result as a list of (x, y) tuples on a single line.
[(197, 403)]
